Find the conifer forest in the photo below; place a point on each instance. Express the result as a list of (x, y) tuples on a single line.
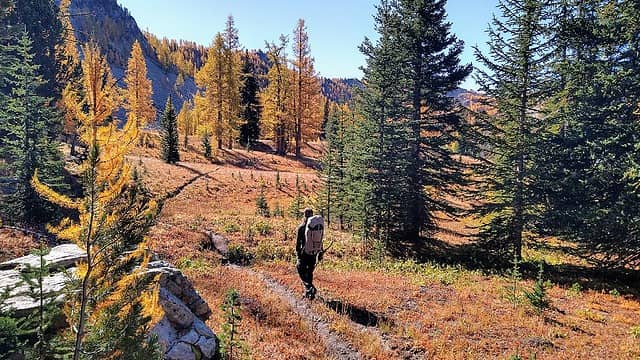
[(480, 200)]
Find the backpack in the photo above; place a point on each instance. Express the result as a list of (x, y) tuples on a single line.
[(313, 235)]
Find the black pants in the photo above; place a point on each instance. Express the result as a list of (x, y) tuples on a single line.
[(306, 264)]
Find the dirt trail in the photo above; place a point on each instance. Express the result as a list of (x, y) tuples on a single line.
[(336, 346)]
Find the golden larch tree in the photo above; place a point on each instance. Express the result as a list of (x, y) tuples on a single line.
[(186, 124), (308, 100), (210, 80), (276, 98), (109, 314), (139, 92)]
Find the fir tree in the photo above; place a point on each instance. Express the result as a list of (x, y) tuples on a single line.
[(170, 140), (262, 207), (233, 82), (39, 18), (206, 145), (408, 120), (517, 83), (35, 326), (334, 163), (25, 144), (250, 131), (589, 167)]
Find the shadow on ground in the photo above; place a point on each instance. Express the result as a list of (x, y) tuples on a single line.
[(472, 256), (356, 314)]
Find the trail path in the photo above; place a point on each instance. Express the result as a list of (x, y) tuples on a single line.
[(336, 347)]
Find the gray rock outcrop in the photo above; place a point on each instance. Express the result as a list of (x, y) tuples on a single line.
[(181, 332)]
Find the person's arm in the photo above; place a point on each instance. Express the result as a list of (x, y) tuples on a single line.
[(300, 240)]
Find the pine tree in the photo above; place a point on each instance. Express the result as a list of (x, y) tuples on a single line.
[(589, 164), (26, 121), (109, 313), (308, 96), (408, 120), (170, 140), (233, 82), (139, 105), (250, 131), (517, 83)]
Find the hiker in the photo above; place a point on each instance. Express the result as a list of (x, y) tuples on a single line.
[(309, 249)]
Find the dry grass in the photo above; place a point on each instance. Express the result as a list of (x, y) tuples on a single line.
[(268, 327), (472, 319), (435, 311), (15, 243)]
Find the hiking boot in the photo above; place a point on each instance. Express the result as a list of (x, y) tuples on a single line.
[(311, 293)]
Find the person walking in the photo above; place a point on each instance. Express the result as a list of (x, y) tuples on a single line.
[(307, 251)]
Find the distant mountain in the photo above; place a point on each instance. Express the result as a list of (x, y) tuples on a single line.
[(114, 30), (172, 63), (340, 90)]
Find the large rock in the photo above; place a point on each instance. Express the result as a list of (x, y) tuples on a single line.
[(60, 257), (181, 332)]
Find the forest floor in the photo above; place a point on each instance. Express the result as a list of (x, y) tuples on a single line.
[(446, 302)]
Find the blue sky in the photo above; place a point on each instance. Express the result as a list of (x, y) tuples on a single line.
[(336, 27)]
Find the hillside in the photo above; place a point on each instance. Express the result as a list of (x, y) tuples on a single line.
[(115, 31), (170, 63)]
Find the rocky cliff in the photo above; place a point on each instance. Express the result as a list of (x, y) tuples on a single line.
[(114, 30)]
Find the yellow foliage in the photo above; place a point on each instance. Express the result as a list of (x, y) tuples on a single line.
[(51, 195), (107, 176), (138, 103), (218, 105)]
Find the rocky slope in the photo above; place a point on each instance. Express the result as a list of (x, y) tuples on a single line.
[(114, 29), (181, 332)]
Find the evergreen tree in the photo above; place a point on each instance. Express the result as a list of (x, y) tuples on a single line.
[(35, 326), (170, 140), (334, 163), (111, 310), (233, 82), (409, 72), (27, 118), (433, 69), (250, 131), (517, 83), (39, 18), (589, 167)]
